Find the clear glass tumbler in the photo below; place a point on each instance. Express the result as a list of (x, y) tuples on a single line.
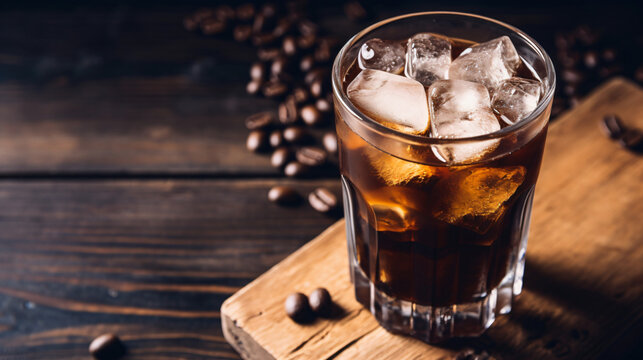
[(437, 249)]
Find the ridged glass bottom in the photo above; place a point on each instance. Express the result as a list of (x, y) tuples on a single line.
[(436, 324)]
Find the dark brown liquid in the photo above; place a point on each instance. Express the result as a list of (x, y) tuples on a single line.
[(433, 239)]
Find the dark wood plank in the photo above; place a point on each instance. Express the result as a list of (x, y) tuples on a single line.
[(150, 260)]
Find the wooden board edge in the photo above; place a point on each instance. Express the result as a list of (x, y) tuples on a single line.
[(241, 341)]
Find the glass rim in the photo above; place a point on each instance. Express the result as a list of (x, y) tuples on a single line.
[(338, 89)]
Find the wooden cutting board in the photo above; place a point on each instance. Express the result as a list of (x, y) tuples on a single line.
[(584, 276)]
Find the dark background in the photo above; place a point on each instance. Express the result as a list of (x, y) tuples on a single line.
[(129, 201)]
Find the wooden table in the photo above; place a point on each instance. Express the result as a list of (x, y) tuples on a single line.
[(129, 201)]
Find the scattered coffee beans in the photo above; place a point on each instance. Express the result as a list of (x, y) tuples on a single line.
[(320, 302), (297, 307), (107, 347), (323, 105), (295, 135), (311, 156), (274, 89), (242, 32), (283, 195), (354, 10), (288, 111), (257, 71), (253, 87), (322, 200)]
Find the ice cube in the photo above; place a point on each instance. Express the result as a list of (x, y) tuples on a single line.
[(515, 98), (395, 171), (474, 197), (394, 101), (385, 55), (488, 63), (392, 217), (428, 57), (461, 109)]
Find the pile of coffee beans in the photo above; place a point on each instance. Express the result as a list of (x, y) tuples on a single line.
[(585, 57), (293, 67), (304, 309)]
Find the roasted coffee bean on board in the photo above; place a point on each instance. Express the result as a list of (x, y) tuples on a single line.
[(107, 347), (260, 120), (354, 10), (307, 62), (268, 54), (300, 95), (298, 308), (322, 200), (288, 113), (242, 32), (253, 87), (245, 12), (274, 88), (212, 26), (283, 195), (257, 71), (289, 45), (311, 156), (321, 302), (280, 157), (323, 105)]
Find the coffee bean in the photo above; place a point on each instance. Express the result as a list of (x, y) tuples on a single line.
[(203, 14), (633, 140), (296, 135), (268, 10), (354, 10), (572, 76), (224, 12), (320, 302), (300, 95), (311, 156), (284, 25), (315, 74), (268, 54), (306, 41), (609, 55), (279, 66), (318, 88), (274, 88), (612, 126), (259, 24), (307, 63), (330, 142), (263, 39), (310, 115), (260, 120), (245, 12), (254, 86), (280, 157), (324, 104), (297, 307), (322, 200), (212, 26), (307, 27), (591, 59), (323, 51), (289, 46), (296, 169), (107, 347), (257, 71), (288, 111), (257, 140), (284, 195), (242, 32), (276, 139)]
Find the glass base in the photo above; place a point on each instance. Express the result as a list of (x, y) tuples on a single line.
[(436, 324)]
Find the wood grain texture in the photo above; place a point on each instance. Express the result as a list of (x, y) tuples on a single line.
[(150, 260), (583, 287)]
